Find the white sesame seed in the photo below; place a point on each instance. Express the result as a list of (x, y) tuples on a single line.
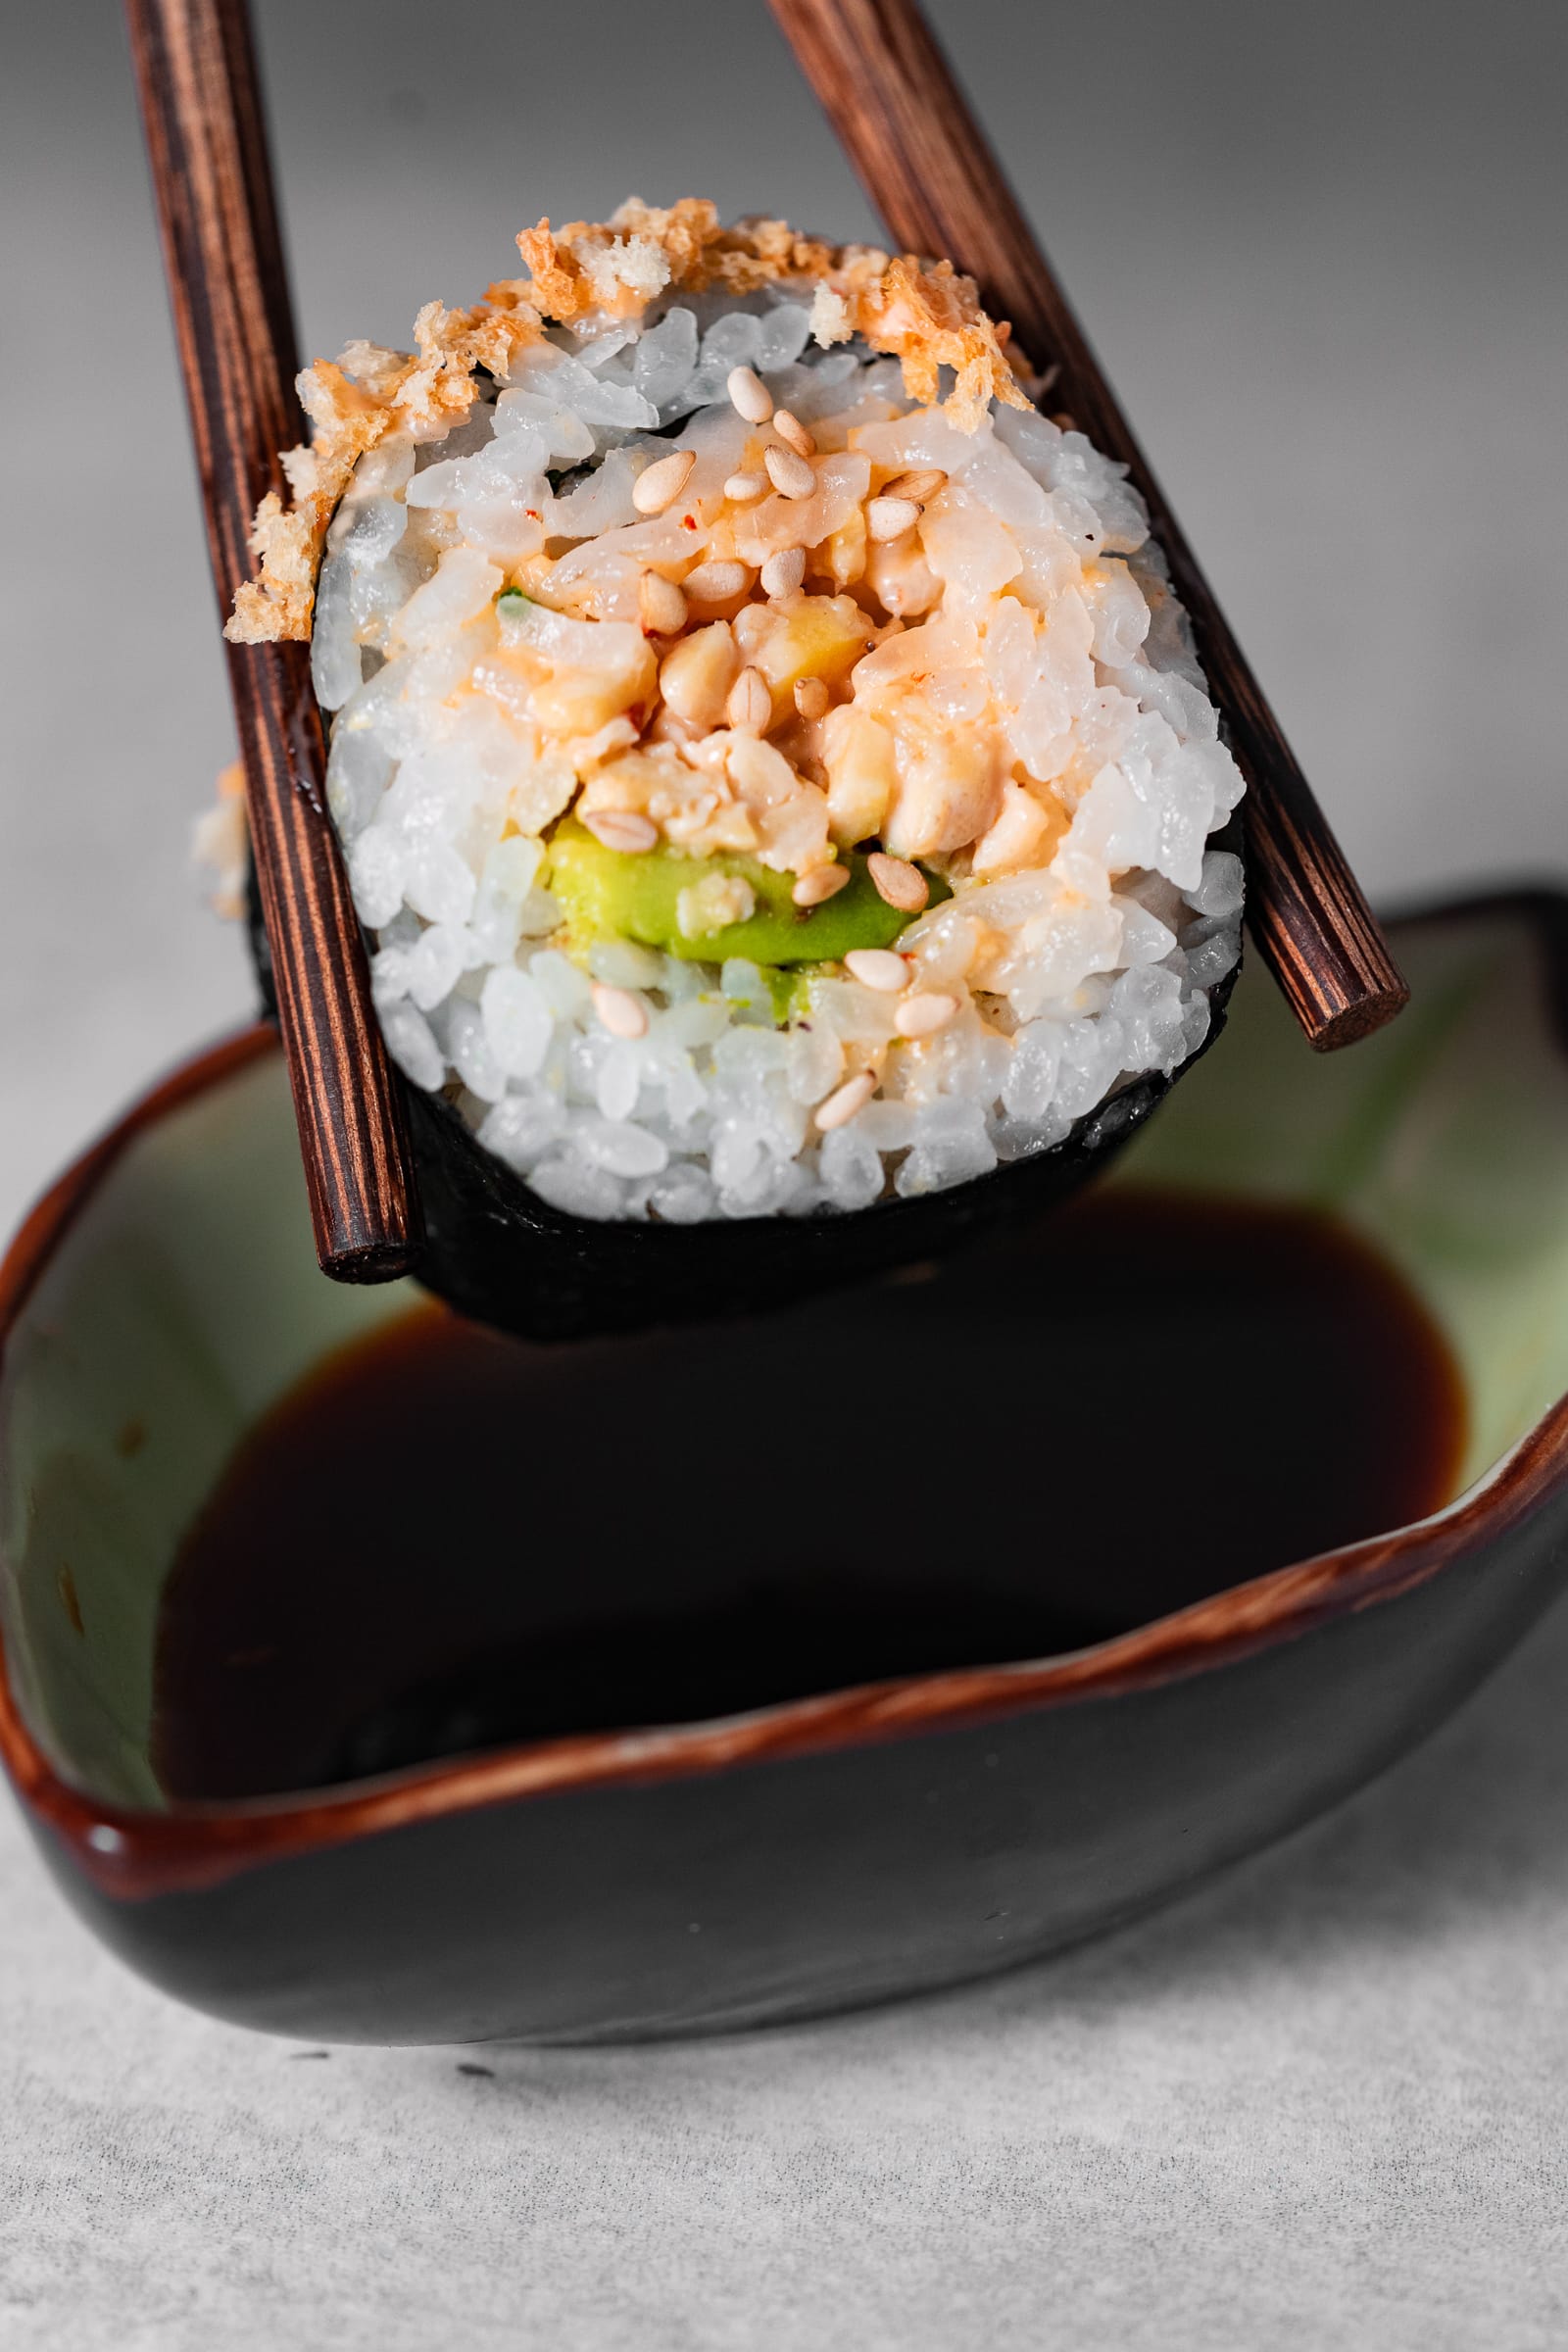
[(749, 702), (924, 1015), (622, 1014), (845, 1101), (623, 830), (811, 697), (790, 428), (744, 487), (750, 395), (820, 883), (783, 573), (879, 969), (658, 485), (660, 605), (922, 483), (890, 517), (902, 885), (789, 475), (715, 583)]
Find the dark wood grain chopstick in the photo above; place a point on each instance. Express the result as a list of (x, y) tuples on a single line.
[(206, 141), (934, 177)]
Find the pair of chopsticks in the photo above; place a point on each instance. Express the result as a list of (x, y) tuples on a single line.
[(932, 176)]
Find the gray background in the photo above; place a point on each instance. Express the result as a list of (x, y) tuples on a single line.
[(1320, 251)]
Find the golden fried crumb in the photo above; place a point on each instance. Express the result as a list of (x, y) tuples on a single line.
[(926, 315), (221, 844)]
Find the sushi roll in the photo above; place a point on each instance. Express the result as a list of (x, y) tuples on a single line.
[(771, 764)]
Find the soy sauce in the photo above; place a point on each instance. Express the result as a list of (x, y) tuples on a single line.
[(444, 1540)]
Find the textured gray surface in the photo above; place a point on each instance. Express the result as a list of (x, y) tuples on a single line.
[(1320, 2105)]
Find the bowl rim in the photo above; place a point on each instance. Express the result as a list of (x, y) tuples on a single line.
[(128, 1852)]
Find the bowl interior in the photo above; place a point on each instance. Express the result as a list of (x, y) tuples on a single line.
[(182, 1301)]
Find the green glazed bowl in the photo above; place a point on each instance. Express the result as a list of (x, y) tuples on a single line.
[(830, 1851)]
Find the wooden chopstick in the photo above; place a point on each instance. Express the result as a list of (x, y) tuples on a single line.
[(223, 251), (933, 175)]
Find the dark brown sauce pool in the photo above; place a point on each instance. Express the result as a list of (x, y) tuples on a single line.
[(444, 1540)]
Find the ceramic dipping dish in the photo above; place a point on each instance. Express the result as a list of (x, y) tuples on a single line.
[(833, 1848)]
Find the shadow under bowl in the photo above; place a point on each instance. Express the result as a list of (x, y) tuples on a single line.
[(848, 1844)]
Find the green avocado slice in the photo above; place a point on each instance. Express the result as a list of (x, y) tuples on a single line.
[(609, 893)]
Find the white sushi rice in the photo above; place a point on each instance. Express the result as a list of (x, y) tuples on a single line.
[(1071, 976)]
